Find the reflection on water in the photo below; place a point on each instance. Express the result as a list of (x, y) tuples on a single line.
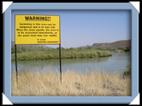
[(117, 63)]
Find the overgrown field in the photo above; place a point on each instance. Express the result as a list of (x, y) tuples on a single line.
[(73, 84)]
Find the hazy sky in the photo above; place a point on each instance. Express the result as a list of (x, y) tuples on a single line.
[(80, 28)]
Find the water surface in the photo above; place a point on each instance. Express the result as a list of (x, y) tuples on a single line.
[(118, 62)]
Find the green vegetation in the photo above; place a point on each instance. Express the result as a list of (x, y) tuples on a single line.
[(116, 50), (127, 72), (26, 52)]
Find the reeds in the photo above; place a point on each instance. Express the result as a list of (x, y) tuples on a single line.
[(73, 84)]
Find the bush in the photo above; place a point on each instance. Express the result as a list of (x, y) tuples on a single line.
[(43, 53), (127, 72)]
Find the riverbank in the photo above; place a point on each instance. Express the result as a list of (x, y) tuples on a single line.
[(44, 53), (73, 84)]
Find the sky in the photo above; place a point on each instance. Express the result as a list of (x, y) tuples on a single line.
[(81, 28)]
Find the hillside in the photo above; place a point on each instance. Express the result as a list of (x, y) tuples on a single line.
[(122, 44)]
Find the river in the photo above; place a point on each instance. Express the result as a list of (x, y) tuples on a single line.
[(118, 62)]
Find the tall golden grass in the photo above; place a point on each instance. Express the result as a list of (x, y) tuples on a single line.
[(73, 84)]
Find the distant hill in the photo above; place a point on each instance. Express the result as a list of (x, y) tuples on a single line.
[(13, 43), (122, 44)]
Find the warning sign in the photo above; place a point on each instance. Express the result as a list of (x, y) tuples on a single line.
[(37, 29)]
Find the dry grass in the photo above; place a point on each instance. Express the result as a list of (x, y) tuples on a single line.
[(73, 84)]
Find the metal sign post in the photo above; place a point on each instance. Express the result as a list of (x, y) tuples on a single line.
[(60, 60), (16, 64)]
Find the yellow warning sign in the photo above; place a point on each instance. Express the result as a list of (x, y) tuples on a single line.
[(37, 29)]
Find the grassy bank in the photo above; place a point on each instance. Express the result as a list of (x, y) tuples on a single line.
[(73, 84), (43, 53)]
